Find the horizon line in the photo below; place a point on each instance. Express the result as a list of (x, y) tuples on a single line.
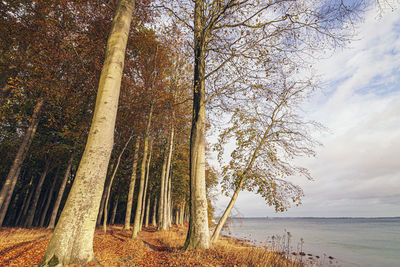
[(313, 217)]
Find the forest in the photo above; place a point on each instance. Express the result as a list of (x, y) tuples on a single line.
[(109, 109)]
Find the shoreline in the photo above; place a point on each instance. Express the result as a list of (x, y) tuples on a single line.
[(304, 258)]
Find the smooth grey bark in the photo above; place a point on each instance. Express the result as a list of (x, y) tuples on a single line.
[(132, 186), (114, 212), (8, 187), (161, 206), (182, 214), (136, 224), (110, 184), (145, 198), (227, 211), (48, 201), (198, 236), (72, 239), (167, 202), (31, 213), (169, 206), (146, 221), (154, 219), (60, 193)]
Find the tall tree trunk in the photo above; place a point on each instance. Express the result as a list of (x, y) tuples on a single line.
[(48, 201), (161, 206), (103, 197), (154, 219), (8, 187), (165, 201), (132, 186), (114, 212), (8, 220), (198, 236), (242, 176), (146, 222), (28, 203), (182, 214), (31, 213), (145, 195), (227, 211), (168, 178), (72, 240), (136, 224), (177, 216), (23, 203), (60, 194), (110, 184), (169, 206)]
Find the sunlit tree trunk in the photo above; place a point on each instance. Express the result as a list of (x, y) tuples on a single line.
[(146, 221), (48, 201), (136, 224), (12, 177), (110, 184), (60, 194), (227, 211), (161, 206), (72, 240), (168, 179), (145, 195), (169, 206), (31, 213), (198, 236), (242, 176), (132, 186), (182, 214)]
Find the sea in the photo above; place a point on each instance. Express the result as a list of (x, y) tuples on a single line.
[(346, 242)]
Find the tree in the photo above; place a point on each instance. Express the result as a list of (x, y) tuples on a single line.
[(132, 186), (268, 136), (110, 184), (232, 46), (72, 240), (9, 185)]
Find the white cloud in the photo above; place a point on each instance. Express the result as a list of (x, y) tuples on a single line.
[(357, 172)]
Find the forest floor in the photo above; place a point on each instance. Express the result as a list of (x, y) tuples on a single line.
[(26, 247)]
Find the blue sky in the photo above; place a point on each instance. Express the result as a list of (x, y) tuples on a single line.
[(357, 171)]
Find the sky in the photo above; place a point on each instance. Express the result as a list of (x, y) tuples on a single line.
[(357, 170)]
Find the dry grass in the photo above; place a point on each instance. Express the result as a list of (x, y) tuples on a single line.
[(249, 255), (228, 251)]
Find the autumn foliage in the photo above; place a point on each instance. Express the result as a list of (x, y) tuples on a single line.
[(25, 247)]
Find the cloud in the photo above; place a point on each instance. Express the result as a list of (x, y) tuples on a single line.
[(357, 171)]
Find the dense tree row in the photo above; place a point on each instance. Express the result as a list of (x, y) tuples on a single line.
[(103, 114), (48, 92)]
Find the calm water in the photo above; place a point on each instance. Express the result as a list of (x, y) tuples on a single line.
[(351, 241)]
